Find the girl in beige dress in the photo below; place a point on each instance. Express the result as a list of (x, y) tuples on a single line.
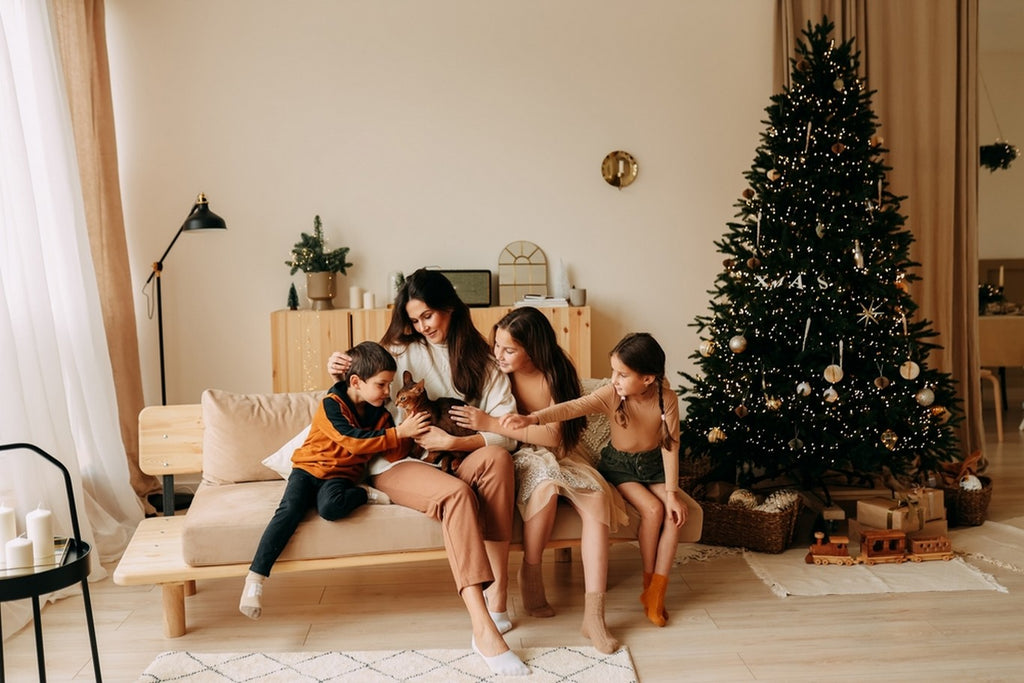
[(551, 462)]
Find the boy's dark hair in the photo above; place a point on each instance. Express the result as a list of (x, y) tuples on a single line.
[(368, 359)]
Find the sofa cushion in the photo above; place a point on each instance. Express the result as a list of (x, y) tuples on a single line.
[(217, 531), (240, 430)]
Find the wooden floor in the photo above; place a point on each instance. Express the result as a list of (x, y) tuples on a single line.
[(725, 624)]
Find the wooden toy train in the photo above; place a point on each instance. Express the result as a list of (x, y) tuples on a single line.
[(878, 546)]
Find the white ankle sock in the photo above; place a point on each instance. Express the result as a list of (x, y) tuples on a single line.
[(505, 664), (250, 604), (501, 621)]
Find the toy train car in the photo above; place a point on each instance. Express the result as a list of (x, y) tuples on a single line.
[(878, 546)]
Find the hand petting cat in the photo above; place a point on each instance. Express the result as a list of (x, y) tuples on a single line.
[(473, 418)]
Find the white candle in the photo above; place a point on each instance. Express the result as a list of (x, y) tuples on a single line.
[(369, 301), (355, 297), (8, 528), (1000, 276), (39, 528), (18, 552)]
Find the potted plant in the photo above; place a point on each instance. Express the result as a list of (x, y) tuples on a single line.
[(321, 267)]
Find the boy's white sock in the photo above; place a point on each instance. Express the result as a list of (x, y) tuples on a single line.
[(250, 604)]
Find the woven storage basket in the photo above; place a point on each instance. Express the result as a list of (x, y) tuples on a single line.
[(766, 532), (968, 508)]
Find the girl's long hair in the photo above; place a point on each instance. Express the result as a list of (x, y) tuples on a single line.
[(642, 354), (532, 330), (468, 351)]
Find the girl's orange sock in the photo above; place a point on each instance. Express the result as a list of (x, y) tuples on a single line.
[(654, 600)]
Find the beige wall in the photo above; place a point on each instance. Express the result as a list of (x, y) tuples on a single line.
[(1000, 227), (428, 133)]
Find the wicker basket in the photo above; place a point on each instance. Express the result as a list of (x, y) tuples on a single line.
[(766, 532), (968, 508)]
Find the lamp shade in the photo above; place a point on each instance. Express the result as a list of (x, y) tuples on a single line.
[(201, 218)]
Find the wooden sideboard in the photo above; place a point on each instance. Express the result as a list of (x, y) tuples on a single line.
[(301, 341)]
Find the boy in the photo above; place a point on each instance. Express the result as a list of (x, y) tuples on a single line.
[(349, 427)]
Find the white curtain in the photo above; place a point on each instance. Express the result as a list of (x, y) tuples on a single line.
[(56, 385)]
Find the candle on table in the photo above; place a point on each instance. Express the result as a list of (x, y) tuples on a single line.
[(355, 297), (8, 529), (18, 552), (39, 529), (1000, 276), (369, 301)]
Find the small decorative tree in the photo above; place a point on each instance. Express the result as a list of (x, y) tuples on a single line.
[(293, 298), (309, 256)]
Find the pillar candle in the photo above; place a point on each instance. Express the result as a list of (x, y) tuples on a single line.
[(355, 297), (18, 552), (8, 530), (1000, 276), (39, 528), (369, 300)]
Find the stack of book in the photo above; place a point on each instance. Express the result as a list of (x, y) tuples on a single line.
[(541, 301)]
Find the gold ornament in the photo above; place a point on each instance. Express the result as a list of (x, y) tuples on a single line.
[(753, 263), (889, 439), (774, 175), (707, 347), (738, 344), (772, 402), (729, 263), (881, 381), (830, 395), (803, 65), (748, 193), (833, 373), (910, 370), (925, 397), (838, 84), (820, 230), (795, 443), (940, 413), (741, 410), (877, 141), (838, 148), (803, 388), (716, 435)]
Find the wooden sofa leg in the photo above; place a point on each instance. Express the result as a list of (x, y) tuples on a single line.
[(174, 609), (563, 554), (190, 587)]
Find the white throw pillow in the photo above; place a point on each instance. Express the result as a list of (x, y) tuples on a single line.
[(281, 462)]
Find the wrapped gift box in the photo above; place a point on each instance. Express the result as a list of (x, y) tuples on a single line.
[(931, 501), (882, 513)]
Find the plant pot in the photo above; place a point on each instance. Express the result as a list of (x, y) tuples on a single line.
[(320, 289)]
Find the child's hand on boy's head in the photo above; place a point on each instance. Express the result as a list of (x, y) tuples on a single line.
[(338, 364), (413, 425), (676, 509), (473, 418), (517, 421)]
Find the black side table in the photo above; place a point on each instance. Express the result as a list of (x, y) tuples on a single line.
[(31, 582)]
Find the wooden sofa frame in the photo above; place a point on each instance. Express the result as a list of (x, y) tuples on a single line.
[(171, 443)]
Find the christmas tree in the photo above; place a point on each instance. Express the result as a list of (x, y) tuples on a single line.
[(811, 361)]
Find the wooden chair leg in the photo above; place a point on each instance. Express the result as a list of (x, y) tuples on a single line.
[(997, 396)]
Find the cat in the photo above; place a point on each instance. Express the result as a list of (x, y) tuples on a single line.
[(413, 398)]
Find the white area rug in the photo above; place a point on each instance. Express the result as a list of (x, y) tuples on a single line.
[(441, 666), (788, 574), (999, 544)]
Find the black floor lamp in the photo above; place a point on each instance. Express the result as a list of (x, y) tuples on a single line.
[(200, 218)]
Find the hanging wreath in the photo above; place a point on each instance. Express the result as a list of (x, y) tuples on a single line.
[(998, 155)]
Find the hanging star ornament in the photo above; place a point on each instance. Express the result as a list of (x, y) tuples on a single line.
[(869, 314)]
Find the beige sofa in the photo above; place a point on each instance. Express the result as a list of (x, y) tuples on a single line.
[(227, 437)]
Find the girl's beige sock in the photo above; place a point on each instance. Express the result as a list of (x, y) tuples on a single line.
[(250, 605), (594, 626), (531, 587)]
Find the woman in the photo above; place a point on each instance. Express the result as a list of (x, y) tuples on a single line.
[(542, 374), (432, 336)]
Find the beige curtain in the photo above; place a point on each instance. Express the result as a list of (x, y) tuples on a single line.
[(921, 59), (82, 40)]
